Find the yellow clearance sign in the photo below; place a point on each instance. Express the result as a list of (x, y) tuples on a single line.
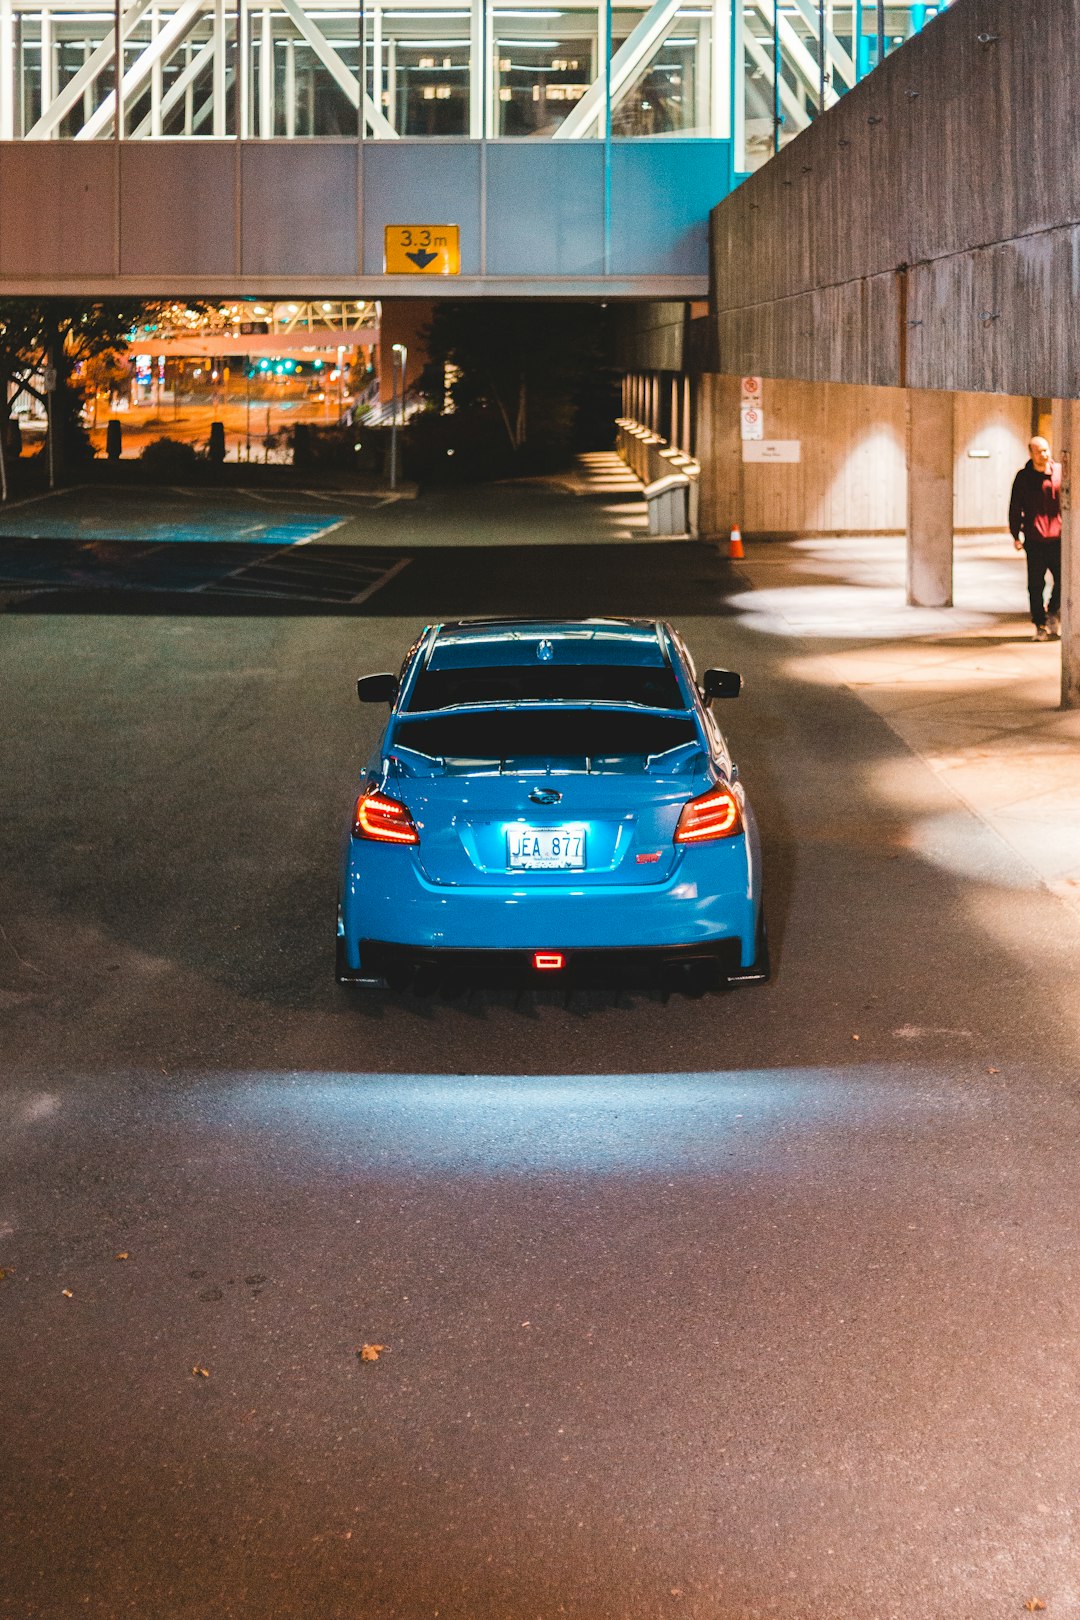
[(422, 250)]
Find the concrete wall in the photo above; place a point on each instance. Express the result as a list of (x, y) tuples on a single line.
[(664, 337), (924, 232), (550, 219), (852, 476)]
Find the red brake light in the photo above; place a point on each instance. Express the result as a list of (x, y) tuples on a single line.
[(550, 961), (715, 814), (383, 819)]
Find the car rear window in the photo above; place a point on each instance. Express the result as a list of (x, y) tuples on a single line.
[(654, 687), (576, 734)]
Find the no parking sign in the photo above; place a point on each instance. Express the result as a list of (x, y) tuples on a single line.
[(751, 422)]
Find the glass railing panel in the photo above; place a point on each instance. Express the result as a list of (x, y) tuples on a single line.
[(798, 57)]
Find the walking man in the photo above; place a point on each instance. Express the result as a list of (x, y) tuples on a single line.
[(1035, 524)]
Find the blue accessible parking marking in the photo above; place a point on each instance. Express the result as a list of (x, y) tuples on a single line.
[(162, 518)]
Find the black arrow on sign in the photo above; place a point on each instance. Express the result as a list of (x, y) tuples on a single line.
[(422, 258)]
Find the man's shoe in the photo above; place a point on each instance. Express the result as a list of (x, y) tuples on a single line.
[(1053, 625), (1041, 633)]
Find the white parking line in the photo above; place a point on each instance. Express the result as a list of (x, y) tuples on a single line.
[(384, 579)]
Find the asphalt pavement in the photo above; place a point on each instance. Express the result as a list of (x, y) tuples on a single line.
[(759, 1305)]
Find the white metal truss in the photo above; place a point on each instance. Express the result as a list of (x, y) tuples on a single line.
[(335, 314), (160, 46)]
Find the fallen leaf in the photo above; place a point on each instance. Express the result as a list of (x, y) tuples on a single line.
[(4, 1274), (993, 1071), (67, 1293), (1034, 1603), (370, 1352), (855, 1037), (200, 1372), (123, 1255), (676, 1591)]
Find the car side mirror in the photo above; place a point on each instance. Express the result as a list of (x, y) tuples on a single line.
[(377, 688), (721, 683)]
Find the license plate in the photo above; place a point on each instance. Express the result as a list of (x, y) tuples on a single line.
[(545, 849)]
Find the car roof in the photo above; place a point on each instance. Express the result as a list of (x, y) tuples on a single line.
[(638, 642)]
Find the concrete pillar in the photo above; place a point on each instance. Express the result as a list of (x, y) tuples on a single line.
[(930, 463), (1065, 446)]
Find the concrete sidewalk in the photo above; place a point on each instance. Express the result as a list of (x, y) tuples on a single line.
[(966, 688)]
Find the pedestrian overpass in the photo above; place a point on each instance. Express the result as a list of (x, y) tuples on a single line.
[(262, 147)]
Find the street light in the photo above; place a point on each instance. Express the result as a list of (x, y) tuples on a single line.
[(402, 350)]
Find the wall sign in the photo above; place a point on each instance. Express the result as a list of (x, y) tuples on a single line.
[(751, 422), (772, 450), (425, 250)]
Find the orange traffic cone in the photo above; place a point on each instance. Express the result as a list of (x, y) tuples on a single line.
[(735, 545)]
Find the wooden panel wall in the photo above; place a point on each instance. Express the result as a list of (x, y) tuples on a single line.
[(926, 231), (852, 478), (1000, 425)]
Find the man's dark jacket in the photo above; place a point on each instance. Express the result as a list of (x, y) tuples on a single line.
[(1035, 506)]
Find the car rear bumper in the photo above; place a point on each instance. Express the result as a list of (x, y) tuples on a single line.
[(698, 967), (710, 901)]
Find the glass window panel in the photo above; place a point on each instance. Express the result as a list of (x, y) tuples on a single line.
[(180, 73), (663, 86), (301, 81), (419, 70), (544, 58), (51, 48)]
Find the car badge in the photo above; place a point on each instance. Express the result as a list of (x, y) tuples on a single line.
[(545, 652), (541, 795)]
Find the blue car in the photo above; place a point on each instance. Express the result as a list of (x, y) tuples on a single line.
[(550, 802)]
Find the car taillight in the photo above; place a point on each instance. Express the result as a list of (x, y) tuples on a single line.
[(715, 814), (383, 819)]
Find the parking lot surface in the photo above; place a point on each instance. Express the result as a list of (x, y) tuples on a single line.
[(757, 1305)]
